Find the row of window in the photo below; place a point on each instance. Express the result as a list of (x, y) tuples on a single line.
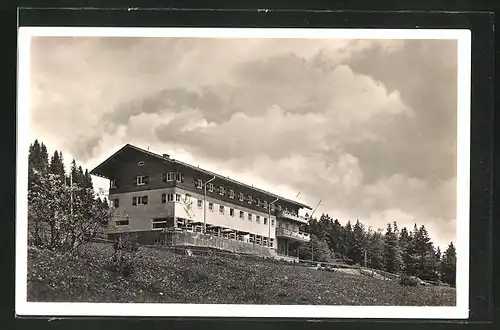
[(143, 200), (221, 190)]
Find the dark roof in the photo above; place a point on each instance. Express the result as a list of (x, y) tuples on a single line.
[(96, 170)]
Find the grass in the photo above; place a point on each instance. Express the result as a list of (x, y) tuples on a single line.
[(163, 276)]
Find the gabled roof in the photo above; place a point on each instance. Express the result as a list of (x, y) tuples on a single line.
[(98, 168)]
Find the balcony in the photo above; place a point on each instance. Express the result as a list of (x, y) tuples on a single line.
[(292, 216), (296, 235)]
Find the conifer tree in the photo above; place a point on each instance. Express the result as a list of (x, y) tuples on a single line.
[(392, 251), (358, 244), (448, 265), (56, 165), (348, 238), (44, 158), (376, 250)]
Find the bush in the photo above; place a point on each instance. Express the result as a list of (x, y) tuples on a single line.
[(409, 280), (123, 263)]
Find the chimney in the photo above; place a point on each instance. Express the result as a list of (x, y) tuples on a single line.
[(166, 156)]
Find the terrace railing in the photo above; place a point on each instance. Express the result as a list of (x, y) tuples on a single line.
[(292, 216), (298, 235)]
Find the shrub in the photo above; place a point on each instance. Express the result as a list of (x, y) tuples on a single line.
[(409, 281)]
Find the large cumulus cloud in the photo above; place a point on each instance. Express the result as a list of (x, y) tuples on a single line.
[(368, 127)]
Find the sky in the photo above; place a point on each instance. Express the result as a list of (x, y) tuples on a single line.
[(366, 126)]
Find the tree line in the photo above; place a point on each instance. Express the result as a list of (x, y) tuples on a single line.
[(397, 251), (64, 211)]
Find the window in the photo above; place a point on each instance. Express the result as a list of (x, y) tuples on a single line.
[(211, 206), (143, 200), (177, 197), (265, 204), (221, 190), (265, 221), (159, 223), (231, 193), (272, 222), (178, 177), (199, 183), (116, 202), (170, 197), (169, 176), (231, 212), (163, 198), (249, 199), (112, 183), (242, 197), (121, 223), (249, 217), (271, 242), (257, 218), (271, 207), (221, 209), (141, 163), (258, 202), (200, 203), (242, 214), (211, 187), (140, 180)]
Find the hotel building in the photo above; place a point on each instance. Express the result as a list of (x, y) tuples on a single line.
[(154, 193)]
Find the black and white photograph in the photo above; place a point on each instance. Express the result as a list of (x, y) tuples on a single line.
[(243, 172)]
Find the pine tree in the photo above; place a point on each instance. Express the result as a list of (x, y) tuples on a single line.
[(56, 165), (336, 240), (376, 250), (392, 251), (44, 157), (448, 265), (425, 254), (35, 156), (348, 238), (358, 245)]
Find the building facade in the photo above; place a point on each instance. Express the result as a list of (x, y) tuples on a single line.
[(153, 192)]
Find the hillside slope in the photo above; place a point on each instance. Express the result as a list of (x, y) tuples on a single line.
[(163, 276)]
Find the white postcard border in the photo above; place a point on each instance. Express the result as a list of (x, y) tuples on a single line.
[(460, 311)]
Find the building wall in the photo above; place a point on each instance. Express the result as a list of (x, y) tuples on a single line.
[(225, 220), (126, 169), (140, 216)]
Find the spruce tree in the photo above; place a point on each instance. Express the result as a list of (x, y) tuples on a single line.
[(448, 265), (392, 251), (34, 157), (358, 245), (348, 238), (56, 165), (44, 158), (376, 250)]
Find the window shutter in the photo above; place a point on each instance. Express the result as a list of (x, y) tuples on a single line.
[(144, 200), (164, 177), (146, 179), (134, 201)]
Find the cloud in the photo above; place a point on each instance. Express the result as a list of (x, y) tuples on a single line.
[(367, 126)]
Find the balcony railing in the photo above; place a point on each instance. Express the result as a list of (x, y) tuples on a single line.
[(298, 235), (291, 216)]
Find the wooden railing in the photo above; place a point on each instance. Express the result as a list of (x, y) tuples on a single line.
[(284, 232)]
